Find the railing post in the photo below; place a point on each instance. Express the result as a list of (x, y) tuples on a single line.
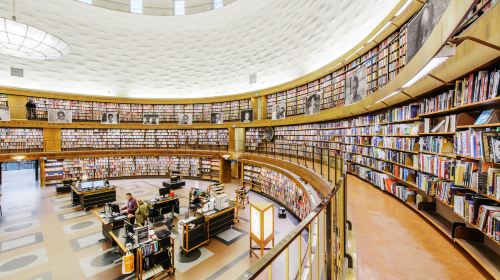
[(313, 161), (321, 161), (329, 167), (274, 148)]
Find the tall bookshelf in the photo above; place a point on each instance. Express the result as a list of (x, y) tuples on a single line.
[(278, 187), (4, 102), (111, 139), (21, 140), (382, 63), (91, 111), (117, 167), (431, 153)]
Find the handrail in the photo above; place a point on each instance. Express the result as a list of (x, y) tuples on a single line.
[(273, 253)]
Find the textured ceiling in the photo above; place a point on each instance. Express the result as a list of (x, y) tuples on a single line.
[(207, 54)]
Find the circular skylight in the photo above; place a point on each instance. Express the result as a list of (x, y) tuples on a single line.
[(160, 7), (22, 40)]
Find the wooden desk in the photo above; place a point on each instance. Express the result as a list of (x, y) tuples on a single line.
[(93, 197), (164, 256), (169, 204), (176, 185), (214, 222), (110, 224)]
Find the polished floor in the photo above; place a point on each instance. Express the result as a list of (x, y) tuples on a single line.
[(393, 242), (42, 236)]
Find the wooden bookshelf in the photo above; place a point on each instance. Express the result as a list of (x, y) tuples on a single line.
[(91, 111), (113, 139), (277, 187), (129, 166), (391, 145), (21, 140)]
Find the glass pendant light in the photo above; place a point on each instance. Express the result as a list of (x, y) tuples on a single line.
[(22, 40)]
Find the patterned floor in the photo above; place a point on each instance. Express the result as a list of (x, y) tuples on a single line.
[(42, 236)]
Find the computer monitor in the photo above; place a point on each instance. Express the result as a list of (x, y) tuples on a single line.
[(98, 184), (114, 208), (86, 185), (164, 191)]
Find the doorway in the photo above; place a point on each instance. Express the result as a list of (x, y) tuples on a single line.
[(18, 172)]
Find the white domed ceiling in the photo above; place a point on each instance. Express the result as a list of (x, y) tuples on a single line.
[(205, 54)]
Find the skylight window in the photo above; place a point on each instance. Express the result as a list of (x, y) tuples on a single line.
[(218, 4), (179, 7), (136, 6), (86, 1)]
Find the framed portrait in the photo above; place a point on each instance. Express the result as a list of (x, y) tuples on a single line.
[(4, 114), (313, 103), (60, 116), (185, 119), (422, 25), (491, 146), (110, 118), (216, 118), (355, 86), (279, 111), (246, 116), (151, 119), (268, 134)]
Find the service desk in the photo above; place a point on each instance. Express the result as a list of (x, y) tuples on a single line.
[(198, 229), (92, 198), (110, 223), (147, 254), (174, 185), (165, 205)]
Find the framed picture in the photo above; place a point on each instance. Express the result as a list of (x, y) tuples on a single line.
[(216, 118), (60, 116), (491, 146), (313, 103), (268, 134), (4, 114), (246, 116), (279, 111), (110, 118), (151, 119), (422, 25), (185, 119), (355, 88)]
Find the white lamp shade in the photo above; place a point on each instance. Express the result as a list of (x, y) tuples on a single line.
[(255, 226), (21, 40)]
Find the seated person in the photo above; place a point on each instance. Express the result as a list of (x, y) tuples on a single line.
[(106, 183), (141, 214), (130, 208)]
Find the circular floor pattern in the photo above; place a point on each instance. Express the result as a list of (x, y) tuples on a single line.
[(190, 257), (18, 263), (82, 225), (18, 227), (105, 259)]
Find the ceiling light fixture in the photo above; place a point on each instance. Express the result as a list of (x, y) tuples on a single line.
[(22, 40), (401, 10), (388, 96), (380, 31), (446, 52)]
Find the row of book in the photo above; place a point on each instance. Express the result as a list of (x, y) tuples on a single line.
[(21, 139), (74, 139), (278, 186), (476, 87), (92, 110), (112, 167), (381, 64)]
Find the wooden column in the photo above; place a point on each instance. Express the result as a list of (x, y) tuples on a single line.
[(17, 106), (51, 139), (255, 107), (42, 173), (264, 107), (225, 171), (231, 139)]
